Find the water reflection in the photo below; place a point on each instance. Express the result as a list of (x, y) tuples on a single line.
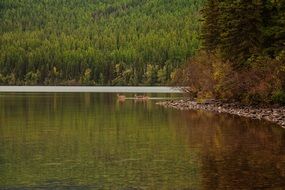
[(92, 141), (236, 153)]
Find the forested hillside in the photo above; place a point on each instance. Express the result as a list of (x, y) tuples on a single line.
[(96, 42), (243, 52)]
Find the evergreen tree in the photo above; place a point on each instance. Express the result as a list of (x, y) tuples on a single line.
[(74, 35), (269, 14), (210, 26), (280, 28), (241, 33)]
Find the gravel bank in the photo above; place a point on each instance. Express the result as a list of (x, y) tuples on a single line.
[(272, 114)]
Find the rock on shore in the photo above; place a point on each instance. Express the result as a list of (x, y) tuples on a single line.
[(272, 114)]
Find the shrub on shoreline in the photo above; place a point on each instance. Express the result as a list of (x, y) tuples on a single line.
[(207, 75)]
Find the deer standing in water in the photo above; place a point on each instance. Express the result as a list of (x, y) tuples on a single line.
[(141, 97), (121, 98)]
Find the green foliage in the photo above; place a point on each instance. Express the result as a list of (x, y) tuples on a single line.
[(209, 76), (279, 97), (151, 74), (74, 35), (244, 57), (32, 78), (210, 27), (280, 27), (241, 29), (8, 79), (162, 75), (86, 78), (240, 36)]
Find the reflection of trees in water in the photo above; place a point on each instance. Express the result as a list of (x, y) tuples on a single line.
[(95, 133), (90, 138), (236, 153)]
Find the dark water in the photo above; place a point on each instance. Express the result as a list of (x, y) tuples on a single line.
[(91, 141)]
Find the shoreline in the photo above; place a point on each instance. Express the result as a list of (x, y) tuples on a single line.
[(272, 114), (101, 89)]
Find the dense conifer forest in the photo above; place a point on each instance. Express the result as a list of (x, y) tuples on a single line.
[(242, 55), (226, 49), (96, 42)]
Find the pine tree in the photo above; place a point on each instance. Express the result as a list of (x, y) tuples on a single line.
[(241, 34), (280, 28), (210, 26), (269, 13)]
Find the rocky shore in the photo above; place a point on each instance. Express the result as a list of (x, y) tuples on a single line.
[(273, 114)]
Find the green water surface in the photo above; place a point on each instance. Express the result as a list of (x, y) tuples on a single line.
[(92, 141)]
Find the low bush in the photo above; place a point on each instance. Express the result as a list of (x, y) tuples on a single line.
[(279, 97), (208, 76)]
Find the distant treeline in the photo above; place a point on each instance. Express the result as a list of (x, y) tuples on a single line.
[(96, 42), (243, 53)]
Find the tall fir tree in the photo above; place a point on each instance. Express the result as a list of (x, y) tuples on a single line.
[(280, 28), (210, 27), (241, 33), (269, 14)]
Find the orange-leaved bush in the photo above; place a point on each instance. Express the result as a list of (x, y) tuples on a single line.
[(207, 75)]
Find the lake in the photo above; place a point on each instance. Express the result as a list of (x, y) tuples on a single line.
[(91, 141)]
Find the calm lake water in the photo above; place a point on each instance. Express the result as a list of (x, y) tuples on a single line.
[(92, 141)]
